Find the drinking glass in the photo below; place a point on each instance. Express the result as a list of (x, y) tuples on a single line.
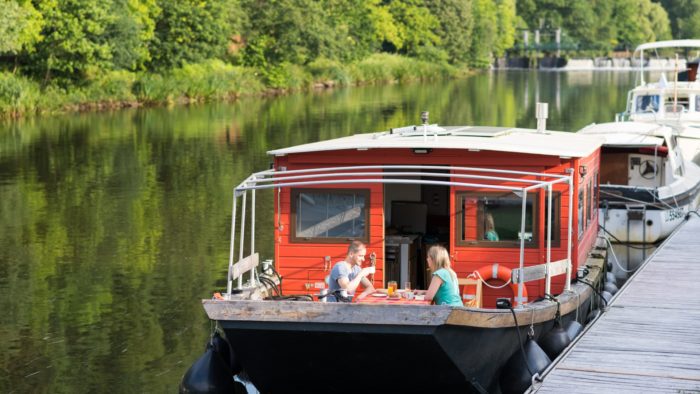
[(391, 287), (407, 286)]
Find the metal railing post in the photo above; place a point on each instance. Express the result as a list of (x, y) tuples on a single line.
[(522, 250), (567, 284), (252, 234), (240, 252), (233, 237)]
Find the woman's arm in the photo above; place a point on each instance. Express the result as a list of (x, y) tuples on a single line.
[(435, 283)]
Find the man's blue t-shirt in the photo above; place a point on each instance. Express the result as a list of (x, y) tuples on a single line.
[(341, 270)]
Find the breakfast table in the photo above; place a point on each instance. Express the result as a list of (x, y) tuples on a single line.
[(382, 298)]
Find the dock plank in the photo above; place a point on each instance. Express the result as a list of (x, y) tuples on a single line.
[(649, 339)]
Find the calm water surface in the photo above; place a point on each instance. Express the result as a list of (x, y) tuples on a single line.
[(114, 225)]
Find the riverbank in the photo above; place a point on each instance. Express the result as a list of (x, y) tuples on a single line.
[(209, 80)]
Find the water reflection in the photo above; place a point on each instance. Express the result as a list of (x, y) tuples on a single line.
[(114, 225)]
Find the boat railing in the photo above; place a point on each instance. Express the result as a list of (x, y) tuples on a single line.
[(519, 182)]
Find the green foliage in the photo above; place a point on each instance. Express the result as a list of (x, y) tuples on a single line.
[(684, 16), (485, 33), (17, 95), (416, 26), (392, 68), (456, 23), (131, 32), (639, 21), (74, 39), (20, 26), (190, 31)]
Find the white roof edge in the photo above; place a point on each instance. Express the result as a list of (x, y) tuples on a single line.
[(690, 43)]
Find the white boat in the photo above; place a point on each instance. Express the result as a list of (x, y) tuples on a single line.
[(672, 100), (646, 186)]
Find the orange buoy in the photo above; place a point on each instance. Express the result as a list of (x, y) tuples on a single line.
[(493, 271)]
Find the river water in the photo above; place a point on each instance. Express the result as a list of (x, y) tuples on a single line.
[(114, 225)]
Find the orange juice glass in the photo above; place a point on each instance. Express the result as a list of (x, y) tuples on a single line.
[(391, 287)]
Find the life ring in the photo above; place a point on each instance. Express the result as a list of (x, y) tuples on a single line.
[(493, 271)]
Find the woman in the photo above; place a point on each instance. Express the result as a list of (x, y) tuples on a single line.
[(490, 232), (444, 287)]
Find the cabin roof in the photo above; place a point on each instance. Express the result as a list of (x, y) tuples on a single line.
[(501, 139), (628, 133), (669, 44)]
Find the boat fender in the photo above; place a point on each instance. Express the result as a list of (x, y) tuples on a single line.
[(494, 271), (610, 288), (209, 374), (224, 349), (606, 296), (592, 315), (515, 376), (573, 328), (554, 341), (610, 278)]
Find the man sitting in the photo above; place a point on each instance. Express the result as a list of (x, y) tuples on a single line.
[(348, 274)]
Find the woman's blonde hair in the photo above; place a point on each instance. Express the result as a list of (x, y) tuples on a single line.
[(441, 259)]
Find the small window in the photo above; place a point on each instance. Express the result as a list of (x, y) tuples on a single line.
[(591, 200), (330, 215), (556, 215), (581, 205), (494, 219), (647, 103), (594, 197), (697, 103)]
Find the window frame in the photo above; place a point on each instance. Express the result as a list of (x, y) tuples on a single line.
[(294, 195), (459, 225)]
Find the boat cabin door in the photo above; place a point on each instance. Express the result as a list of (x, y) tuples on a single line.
[(416, 217)]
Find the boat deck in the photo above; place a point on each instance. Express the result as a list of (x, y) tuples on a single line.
[(649, 339)]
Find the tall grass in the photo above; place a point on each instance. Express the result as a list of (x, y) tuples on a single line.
[(208, 80)]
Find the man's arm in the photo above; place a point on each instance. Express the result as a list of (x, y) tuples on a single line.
[(369, 288), (351, 285)]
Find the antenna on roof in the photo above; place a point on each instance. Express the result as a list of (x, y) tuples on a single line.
[(424, 119), (541, 113)]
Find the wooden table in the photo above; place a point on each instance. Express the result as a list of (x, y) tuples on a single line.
[(370, 299)]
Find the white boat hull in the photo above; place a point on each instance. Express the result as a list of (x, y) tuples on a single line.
[(654, 226)]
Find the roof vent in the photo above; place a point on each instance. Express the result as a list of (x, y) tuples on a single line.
[(541, 113)]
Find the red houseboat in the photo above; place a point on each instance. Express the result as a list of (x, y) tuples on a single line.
[(400, 191)]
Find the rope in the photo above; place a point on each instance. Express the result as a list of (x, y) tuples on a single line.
[(612, 251), (488, 285), (628, 244)]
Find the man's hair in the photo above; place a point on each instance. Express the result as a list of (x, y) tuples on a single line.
[(355, 246)]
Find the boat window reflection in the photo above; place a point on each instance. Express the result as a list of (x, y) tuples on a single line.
[(329, 213), (647, 103), (494, 217)]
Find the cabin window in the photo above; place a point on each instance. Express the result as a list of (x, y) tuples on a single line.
[(556, 215), (581, 205), (676, 104), (493, 219), (591, 200), (330, 215), (647, 103), (697, 103), (594, 197)]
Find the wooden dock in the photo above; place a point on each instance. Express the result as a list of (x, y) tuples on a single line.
[(649, 339)]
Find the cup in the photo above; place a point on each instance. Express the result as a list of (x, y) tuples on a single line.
[(372, 269), (407, 286), (391, 287)]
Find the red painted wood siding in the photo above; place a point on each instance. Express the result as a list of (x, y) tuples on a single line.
[(304, 263)]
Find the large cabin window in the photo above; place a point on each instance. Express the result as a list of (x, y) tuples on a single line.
[(493, 219), (330, 215), (594, 197), (591, 200), (647, 103)]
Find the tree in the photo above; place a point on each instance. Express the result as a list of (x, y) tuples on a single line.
[(639, 21), (131, 32), (485, 33), (20, 27), (684, 16), (74, 39), (190, 31), (456, 24)]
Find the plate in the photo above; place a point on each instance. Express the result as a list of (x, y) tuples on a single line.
[(378, 295)]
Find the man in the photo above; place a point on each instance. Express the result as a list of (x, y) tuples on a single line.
[(348, 274)]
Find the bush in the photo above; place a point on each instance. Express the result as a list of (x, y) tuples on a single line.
[(18, 95), (323, 70)]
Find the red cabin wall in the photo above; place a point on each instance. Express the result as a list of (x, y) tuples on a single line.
[(304, 263)]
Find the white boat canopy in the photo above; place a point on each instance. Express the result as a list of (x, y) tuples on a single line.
[(500, 139), (629, 134), (668, 44)]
